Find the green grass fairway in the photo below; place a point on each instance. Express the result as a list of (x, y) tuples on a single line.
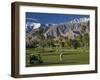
[(51, 56)]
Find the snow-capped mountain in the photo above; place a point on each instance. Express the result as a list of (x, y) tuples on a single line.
[(32, 25), (80, 20), (68, 29)]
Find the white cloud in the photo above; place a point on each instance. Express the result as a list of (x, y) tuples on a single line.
[(32, 19)]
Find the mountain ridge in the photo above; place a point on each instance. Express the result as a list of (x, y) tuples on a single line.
[(69, 29)]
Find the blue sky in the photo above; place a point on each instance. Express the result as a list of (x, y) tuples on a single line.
[(48, 18)]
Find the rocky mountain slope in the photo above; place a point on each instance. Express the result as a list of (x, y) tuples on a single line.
[(69, 29)]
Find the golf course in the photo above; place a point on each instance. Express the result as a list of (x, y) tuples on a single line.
[(51, 56)]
